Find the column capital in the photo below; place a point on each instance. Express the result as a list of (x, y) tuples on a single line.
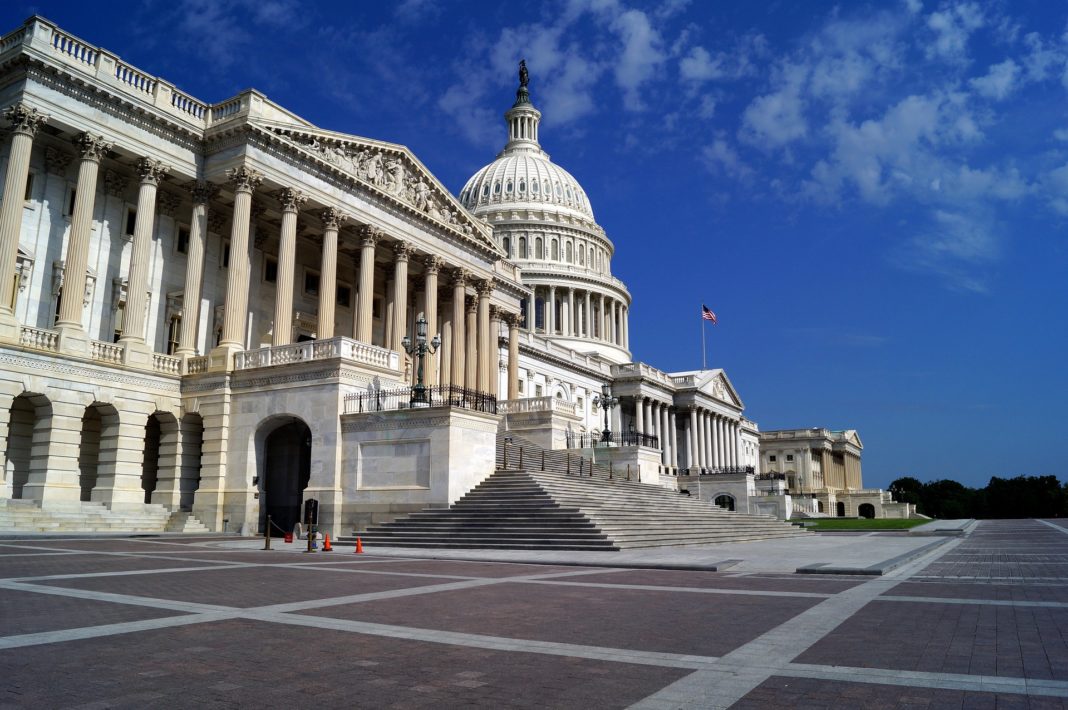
[(244, 178), (369, 235), (433, 263), (92, 147), (56, 161), (202, 191), (151, 171), (402, 251), (25, 119), (333, 218), (495, 312), (470, 304), (512, 319), (290, 199), (460, 276), (485, 287)]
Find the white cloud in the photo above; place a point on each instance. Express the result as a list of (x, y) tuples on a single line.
[(640, 58), (698, 66), (719, 156), (1057, 187), (953, 26), (958, 246), (776, 119), (999, 82)]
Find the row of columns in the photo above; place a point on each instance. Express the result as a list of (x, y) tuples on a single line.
[(583, 314), (473, 330), (658, 419), (711, 439)]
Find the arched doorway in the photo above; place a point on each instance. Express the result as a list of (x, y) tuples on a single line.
[(159, 463), (725, 501), (286, 470), (99, 432), (819, 505), (29, 427), (866, 510), (840, 509), (192, 433)]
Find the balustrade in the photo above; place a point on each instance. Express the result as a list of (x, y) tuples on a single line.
[(105, 352), (339, 347), (196, 365), (167, 364), (39, 339)]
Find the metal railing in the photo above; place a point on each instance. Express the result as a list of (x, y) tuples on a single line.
[(626, 438), (418, 398), (718, 470)]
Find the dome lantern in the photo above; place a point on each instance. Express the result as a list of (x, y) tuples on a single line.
[(523, 118)]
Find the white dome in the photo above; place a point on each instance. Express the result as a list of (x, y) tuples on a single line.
[(524, 179)]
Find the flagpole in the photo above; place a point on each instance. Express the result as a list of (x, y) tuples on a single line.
[(704, 364)]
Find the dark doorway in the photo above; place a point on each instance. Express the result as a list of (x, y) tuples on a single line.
[(150, 462), (866, 510), (725, 501), (840, 508), (286, 469)]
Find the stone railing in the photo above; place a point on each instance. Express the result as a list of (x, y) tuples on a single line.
[(167, 364), (105, 352), (196, 365), (39, 339), (537, 404), (339, 347), (567, 354), (647, 372)]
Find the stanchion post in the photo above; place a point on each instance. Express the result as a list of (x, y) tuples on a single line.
[(267, 534)]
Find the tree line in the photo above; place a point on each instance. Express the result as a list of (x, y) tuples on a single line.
[(1020, 497)]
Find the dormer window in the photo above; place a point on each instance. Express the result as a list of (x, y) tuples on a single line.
[(497, 188), (534, 187), (508, 187), (485, 190), (522, 185)]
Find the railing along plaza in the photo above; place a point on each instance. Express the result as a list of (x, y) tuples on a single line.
[(416, 398)]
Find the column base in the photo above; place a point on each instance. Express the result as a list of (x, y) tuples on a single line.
[(221, 359), (136, 354), (72, 340), (10, 328)]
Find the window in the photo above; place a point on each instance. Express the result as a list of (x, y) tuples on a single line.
[(522, 387), (224, 256), (174, 331), (534, 186), (558, 193), (506, 244), (773, 458), (522, 185), (131, 220), (538, 391), (343, 296), (311, 282), (181, 240), (522, 248), (555, 250), (497, 188), (570, 254), (508, 187), (29, 187), (789, 457), (539, 251), (485, 190), (270, 269), (120, 314), (69, 209)]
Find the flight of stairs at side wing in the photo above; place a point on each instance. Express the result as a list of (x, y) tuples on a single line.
[(557, 508), (18, 516)]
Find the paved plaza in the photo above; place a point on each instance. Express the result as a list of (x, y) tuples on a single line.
[(978, 620)]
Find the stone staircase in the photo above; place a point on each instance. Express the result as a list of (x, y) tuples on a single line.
[(18, 516), (552, 509)]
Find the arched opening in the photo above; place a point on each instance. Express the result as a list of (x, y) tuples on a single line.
[(819, 506), (506, 244), (522, 254), (840, 509), (192, 433), (150, 462), (29, 428), (99, 435), (539, 314), (866, 510), (159, 467), (725, 501), (286, 470), (555, 250)]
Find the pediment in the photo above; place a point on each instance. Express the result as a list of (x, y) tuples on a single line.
[(389, 169), (717, 385)]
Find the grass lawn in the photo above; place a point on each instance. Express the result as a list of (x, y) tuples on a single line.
[(862, 523)]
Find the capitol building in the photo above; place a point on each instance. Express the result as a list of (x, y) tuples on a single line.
[(212, 312)]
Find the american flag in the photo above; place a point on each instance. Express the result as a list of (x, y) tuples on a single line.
[(707, 314)]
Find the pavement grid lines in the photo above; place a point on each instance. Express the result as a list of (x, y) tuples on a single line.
[(980, 621)]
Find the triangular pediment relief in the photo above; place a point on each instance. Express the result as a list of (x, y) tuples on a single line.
[(389, 169), (714, 384)]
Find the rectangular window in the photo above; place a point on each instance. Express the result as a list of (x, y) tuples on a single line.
[(224, 257), (173, 333), (270, 269), (311, 282), (537, 391), (120, 312), (71, 196), (29, 187), (789, 457), (181, 240), (131, 221), (344, 296), (773, 458)]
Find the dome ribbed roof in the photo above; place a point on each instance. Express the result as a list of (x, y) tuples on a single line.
[(525, 180)]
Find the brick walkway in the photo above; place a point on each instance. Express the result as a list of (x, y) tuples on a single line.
[(981, 622)]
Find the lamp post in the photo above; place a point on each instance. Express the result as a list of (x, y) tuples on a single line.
[(419, 350), (607, 401)]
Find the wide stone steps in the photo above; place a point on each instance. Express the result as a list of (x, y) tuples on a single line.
[(86, 517)]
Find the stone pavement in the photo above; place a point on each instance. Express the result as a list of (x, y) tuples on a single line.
[(977, 621)]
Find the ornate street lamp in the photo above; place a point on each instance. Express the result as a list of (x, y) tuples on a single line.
[(606, 402), (419, 350)]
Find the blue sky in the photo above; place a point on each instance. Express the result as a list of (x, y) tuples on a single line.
[(872, 197)]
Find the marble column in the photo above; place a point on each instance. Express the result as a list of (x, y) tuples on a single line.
[(639, 415), (486, 346), (24, 121), (572, 329), (513, 355), (616, 338), (244, 181), (401, 251), (202, 193), (531, 314), (133, 322), (550, 323), (471, 353), (445, 352), (493, 367), (332, 219), (72, 300), (717, 456), (431, 267), (673, 432), (691, 440), (626, 327), (706, 430), (459, 287), (586, 321), (369, 237), (290, 200), (665, 435)]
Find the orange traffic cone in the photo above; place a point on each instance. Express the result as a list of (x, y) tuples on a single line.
[(359, 546), (326, 543)]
